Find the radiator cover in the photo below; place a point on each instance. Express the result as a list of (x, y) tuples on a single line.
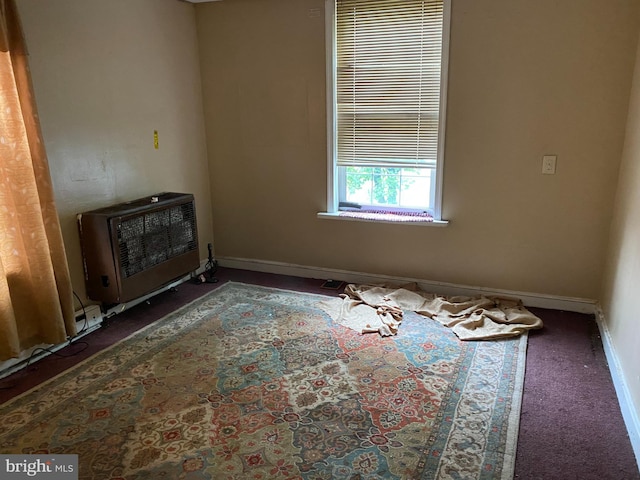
[(133, 248)]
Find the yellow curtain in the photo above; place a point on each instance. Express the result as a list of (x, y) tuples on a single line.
[(36, 297)]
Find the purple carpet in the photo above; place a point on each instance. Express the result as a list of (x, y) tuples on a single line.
[(571, 426)]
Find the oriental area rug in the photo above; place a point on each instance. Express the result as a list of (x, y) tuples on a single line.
[(251, 382)]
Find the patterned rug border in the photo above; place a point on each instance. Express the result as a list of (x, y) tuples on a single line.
[(516, 408), (513, 421)]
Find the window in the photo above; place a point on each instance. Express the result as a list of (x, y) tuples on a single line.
[(386, 93)]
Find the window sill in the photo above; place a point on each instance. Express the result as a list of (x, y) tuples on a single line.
[(354, 217)]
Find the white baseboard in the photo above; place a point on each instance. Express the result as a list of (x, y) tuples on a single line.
[(571, 304), (629, 413)]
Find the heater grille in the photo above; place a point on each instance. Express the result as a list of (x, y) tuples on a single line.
[(134, 248), (155, 237)]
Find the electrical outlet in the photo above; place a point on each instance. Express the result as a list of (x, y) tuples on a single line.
[(90, 315), (549, 164)]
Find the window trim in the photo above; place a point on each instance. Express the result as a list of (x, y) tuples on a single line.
[(331, 93)]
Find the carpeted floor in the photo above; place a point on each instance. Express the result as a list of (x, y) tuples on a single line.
[(571, 427)]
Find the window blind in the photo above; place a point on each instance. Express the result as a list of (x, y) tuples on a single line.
[(388, 70)]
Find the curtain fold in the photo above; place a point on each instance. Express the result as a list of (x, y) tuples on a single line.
[(36, 296)]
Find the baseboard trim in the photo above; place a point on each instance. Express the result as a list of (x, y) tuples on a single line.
[(571, 304), (625, 399)]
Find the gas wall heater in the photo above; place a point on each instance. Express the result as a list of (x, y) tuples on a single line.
[(132, 249)]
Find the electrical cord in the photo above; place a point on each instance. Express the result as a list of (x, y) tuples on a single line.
[(71, 340), (84, 312), (210, 269)]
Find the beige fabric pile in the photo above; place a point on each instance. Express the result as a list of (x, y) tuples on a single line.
[(379, 308)]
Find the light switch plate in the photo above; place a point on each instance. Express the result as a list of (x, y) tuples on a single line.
[(549, 164)]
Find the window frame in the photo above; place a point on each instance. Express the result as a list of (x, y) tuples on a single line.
[(333, 185)]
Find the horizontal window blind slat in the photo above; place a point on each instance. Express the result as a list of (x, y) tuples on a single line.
[(380, 164), (388, 82)]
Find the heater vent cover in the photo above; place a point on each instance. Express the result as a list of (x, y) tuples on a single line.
[(134, 248)]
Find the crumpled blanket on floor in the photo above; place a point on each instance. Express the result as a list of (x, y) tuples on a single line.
[(379, 308)]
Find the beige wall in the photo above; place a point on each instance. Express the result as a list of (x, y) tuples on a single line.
[(621, 293), (106, 75), (527, 78)]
